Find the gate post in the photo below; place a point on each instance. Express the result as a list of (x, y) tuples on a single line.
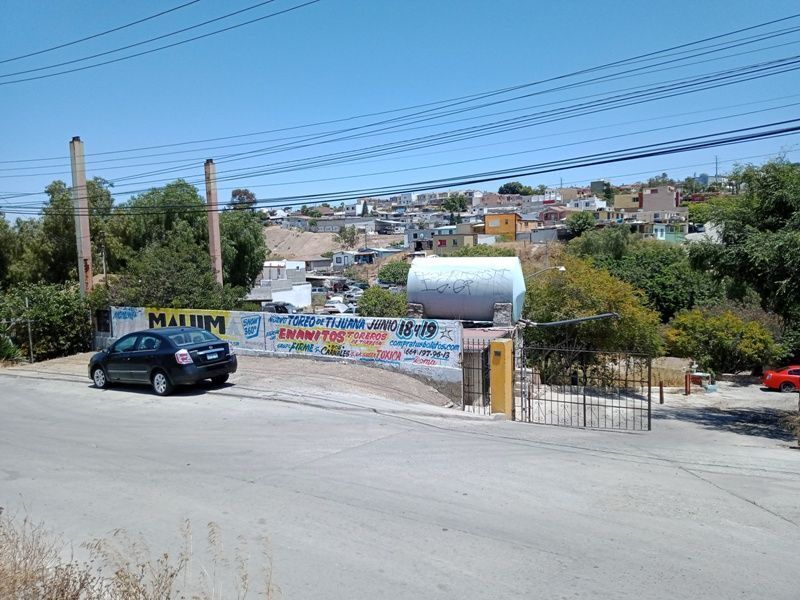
[(501, 376)]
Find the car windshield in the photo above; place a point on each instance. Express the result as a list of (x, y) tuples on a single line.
[(187, 338)]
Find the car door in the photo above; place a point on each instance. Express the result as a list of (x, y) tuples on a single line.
[(143, 357), (118, 361), (794, 377)]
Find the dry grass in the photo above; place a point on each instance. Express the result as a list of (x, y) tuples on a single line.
[(33, 566), (670, 377), (792, 423)]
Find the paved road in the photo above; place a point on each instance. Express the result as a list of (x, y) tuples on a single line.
[(365, 498)]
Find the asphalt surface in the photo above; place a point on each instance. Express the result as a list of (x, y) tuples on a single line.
[(362, 497)]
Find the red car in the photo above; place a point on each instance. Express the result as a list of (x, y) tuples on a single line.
[(786, 379)]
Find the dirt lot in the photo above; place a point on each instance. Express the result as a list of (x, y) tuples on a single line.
[(304, 245)]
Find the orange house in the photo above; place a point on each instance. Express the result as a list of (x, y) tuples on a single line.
[(504, 223)]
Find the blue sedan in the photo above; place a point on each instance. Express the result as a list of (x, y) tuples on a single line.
[(163, 358)]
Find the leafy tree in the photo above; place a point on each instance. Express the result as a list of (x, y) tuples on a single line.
[(243, 198), (664, 273), (484, 250), (8, 244), (539, 190), (760, 237), (723, 343), (580, 222), (394, 272), (347, 237), (700, 212), (457, 203), (378, 302), (310, 211), (515, 187), (662, 179), (610, 243), (153, 217), (608, 193), (243, 247), (584, 290), (60, 320), (45, 250), (691, 185), (365, 210), (173, 274)]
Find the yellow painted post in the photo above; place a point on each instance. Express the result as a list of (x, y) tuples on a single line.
[(501, 376)]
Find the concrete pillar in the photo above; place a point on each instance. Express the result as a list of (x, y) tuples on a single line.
[(501, 376), (213, 220), (80, 201)]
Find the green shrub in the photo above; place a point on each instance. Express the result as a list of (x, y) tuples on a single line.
[(8, 350), (722, 343), (378, 302), (59, 317), (394, 272)]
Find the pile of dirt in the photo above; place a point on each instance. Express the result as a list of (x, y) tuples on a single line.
[(305, 245)]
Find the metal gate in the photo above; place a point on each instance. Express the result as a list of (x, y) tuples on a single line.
[(583, 388), (475, 365)]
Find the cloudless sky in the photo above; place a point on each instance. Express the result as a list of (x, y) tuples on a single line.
[(339, 58)]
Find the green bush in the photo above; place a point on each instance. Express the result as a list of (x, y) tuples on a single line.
[(722, 343), (8, 350), (378, 302), (60, 319), (395, 273)]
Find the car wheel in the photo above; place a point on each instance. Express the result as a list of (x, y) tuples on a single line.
[(220, 379), (161, 383), (99, 378), (787, 386)]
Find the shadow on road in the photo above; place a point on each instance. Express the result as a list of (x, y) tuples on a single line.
[(198, 389), (760, 422)]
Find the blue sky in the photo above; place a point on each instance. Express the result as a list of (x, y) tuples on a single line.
[(340, 58)]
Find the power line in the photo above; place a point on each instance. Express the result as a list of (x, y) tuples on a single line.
[(136, 44), (631, 60), (540, 149), (158, 49), (102, 33), (638, 97), (735, 136)]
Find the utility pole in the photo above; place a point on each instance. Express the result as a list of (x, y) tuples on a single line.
[(80, 202), (213, 220), (716, 168)]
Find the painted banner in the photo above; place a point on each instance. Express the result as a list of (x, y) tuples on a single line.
[(411, 344), (407, 343), (240, 329)]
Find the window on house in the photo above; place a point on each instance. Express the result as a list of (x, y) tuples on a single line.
[(338, 260), (506, 221), (455, 242), (441, 243), (415, 236)]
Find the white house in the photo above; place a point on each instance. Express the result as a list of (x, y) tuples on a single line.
[(590, 203), (283, 281), (357, 209)]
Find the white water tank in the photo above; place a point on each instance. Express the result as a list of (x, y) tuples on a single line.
[(466, 288)]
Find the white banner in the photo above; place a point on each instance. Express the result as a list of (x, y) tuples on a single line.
[(412, 344)]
